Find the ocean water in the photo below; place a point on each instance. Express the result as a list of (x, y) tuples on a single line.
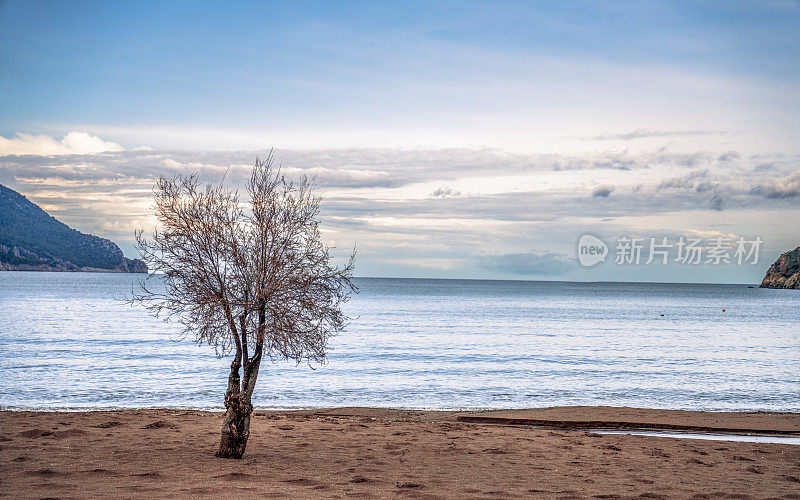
[(68, 342)]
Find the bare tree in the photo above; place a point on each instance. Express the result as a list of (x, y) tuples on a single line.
[(251, 279)]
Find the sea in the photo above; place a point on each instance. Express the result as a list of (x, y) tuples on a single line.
[(69, 341)]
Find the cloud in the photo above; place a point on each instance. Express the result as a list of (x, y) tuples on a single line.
[(602, 191), (537, 264), (729, 156), (693, 180), (717, 201), (445, 192), (641, 133), (345, 177), (445, 208), (362, 168), (782, 188), (73, 143), (421, 183), (426, 263)]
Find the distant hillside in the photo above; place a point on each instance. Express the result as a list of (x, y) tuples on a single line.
[(33, 240), (785, 272)]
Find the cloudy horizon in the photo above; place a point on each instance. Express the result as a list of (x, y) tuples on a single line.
[(450, 140)]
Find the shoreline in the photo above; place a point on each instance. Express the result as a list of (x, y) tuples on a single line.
[(572, 418), (383, 452)]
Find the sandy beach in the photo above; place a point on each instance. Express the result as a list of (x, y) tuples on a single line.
[(375, 453)]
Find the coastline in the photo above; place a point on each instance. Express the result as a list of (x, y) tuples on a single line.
[(48, 269), (377, 452)]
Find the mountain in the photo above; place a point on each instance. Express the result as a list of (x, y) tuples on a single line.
[(33, 240), (785, 272)]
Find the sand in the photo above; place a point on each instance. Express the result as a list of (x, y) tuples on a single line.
[(374, 453)]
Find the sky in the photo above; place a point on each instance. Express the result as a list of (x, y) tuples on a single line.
[(451, 139)]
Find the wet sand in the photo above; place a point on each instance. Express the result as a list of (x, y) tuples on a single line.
[(375, 453)]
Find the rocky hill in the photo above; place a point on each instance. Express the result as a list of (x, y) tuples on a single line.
[(785, 272), (33, 240)]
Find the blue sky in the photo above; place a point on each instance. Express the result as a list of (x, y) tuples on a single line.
[(239, 64), (434, 123)]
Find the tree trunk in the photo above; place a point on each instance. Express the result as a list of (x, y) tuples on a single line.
[(236, 424), (235, 431)]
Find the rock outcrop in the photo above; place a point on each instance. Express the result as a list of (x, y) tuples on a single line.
[(785, 272), (33, 240)]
